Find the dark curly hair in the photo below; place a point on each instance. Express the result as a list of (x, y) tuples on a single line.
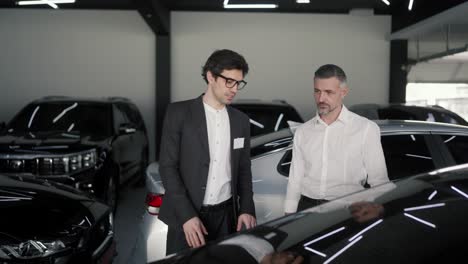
[(224, 59)]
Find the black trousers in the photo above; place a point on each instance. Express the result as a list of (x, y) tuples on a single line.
[(218, 220), (306, 202)]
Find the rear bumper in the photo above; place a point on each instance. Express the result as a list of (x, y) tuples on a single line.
[(151, 241)]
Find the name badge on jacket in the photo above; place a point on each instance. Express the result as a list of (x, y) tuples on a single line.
[(238, 143)]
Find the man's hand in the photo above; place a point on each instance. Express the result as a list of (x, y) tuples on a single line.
[(365, 211), (194, 232), (248, 220)]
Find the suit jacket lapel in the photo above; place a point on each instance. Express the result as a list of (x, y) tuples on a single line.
[(199, 118)]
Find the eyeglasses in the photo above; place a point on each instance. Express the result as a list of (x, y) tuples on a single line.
[(230, 83)]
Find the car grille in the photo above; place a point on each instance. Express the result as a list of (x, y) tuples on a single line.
[(36, 166)]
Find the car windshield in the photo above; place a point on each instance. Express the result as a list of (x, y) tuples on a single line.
[(266, 119), (63, 117)]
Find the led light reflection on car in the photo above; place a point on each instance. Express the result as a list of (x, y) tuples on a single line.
[(278, 122), (278, 142), (359, 235), (449, 139), (458, 191), (32, 116), (418, 156), (324, 236), (71, 127), (315, 251), (342, 250), (420, 220), (423, 207), (306, 245), (57, 118), (255, 123), (432, 195), (366, 229)]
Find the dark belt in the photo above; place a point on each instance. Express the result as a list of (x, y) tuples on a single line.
[(216, 207), (312, 202)]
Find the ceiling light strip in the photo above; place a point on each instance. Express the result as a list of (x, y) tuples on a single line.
[(259, 6), (42, 2)]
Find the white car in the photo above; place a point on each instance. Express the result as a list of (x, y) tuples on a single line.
[(410, 147)]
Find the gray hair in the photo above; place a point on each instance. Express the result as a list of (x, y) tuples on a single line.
[(331, 70)]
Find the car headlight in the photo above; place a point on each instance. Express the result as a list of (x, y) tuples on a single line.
[(68, 163)]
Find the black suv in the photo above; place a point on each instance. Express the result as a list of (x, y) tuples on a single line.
[(92, 144), (266, 117)]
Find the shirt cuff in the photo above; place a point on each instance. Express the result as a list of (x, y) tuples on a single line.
[(290, 206)]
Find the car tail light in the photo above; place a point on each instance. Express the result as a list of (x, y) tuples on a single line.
[(153, 202)]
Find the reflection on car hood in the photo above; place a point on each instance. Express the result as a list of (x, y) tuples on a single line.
[(420, 219)]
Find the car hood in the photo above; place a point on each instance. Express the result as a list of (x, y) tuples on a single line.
[(47, 143), (34, 213)]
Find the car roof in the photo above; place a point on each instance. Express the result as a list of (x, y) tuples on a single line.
[(386, 127), (57, 99), (253, 102), (413, 108)]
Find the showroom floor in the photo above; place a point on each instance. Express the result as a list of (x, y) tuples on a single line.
[(130, 209)]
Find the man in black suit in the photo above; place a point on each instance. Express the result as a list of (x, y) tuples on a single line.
[(205, 160)]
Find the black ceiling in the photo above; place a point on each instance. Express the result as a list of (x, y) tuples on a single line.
[(398, 8), (315, 6)]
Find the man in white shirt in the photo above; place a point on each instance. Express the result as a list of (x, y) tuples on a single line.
[(336, 152)]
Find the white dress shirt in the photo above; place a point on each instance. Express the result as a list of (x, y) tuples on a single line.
[(333, 160), (218, 186)]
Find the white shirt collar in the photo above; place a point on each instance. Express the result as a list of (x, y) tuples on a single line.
[(343, 117), (212, 109)]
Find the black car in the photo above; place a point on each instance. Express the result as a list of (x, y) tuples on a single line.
[(47, 222), (92, 144), (266, 117), (408, 112), (420, 219)]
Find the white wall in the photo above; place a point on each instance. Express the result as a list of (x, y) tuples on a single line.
[(87, 53), (283, 51)]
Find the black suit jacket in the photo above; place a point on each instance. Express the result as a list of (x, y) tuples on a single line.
[(185, 159)]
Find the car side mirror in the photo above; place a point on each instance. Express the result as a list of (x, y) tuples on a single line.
[(126, 129)]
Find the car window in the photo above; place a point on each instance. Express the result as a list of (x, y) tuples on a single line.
[(266, 119), (119, 117), (66, 117), (406, 155), (446, 118), (285, 163), (132, 115), (396, 114), (458, 147), (135, 116)]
